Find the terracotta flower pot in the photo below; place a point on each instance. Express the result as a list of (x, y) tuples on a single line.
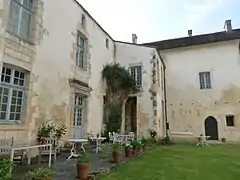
[(82, 171), (44, 141), (134, 151), (128, 152), (117, 156)]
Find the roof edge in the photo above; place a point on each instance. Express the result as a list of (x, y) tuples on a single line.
[(142, 45), (195, 40), (94, 20)]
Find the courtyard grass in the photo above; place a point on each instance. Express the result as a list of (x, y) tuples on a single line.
[(182, 162)]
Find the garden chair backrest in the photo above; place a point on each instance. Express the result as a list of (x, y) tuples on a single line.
[(6, 145)]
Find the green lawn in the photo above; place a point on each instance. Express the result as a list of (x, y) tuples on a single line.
[(182, 162)]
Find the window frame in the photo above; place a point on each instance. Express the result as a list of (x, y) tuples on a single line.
[(11, 87), (135, 75), (84, 51), (205, 80), (83, 21), (29, 12), (107, 43), (233, 120), (81, 107)]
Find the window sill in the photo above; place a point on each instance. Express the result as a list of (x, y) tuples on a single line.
[(231, 127), (4, 125), (81, 69), (18, 39)]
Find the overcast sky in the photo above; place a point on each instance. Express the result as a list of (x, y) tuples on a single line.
[(154, 20)]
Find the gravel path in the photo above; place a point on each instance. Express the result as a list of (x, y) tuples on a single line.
[(64, 169)]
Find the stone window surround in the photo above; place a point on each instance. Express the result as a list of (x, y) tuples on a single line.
[(83, 21), (35, 27), (133, 65), (29, 12), (25, 95), (86, 50), (233, 119), (206, 85), (84, 91), (107, 43)]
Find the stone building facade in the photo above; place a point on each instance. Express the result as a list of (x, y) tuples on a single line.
[(51, 57), (52, 54)]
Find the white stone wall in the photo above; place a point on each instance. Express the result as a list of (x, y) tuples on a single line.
[(188, 106), (49, 57), (51, 63), (130, 55)]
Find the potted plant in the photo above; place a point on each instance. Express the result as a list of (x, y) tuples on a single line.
[(128, 150), (5, 165), (82, 165), (136, 147), (144, 143), (223, 139), (44, 132), (60, 131), (41, 173), (140, 146), (116, 153), (153, 135)]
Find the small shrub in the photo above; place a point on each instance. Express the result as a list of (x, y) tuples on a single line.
[(166, 141), (40, 173), (145, 141), (5, 165), (136, 144), (116, 147), (106, 150), (223, 140), (84, 158), (128, 145), (153, 133)]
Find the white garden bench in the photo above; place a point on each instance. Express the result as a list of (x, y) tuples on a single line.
[(182, 135), (56, 147), (121, 139), (6, 146)]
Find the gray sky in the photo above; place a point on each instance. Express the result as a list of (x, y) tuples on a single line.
[(154, 20)]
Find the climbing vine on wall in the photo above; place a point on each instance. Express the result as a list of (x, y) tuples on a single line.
[(118, 86)]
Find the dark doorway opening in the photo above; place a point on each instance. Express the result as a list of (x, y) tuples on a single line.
[(211, 128), (131, 115)]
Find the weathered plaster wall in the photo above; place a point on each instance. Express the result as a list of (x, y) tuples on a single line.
[(188, 106), (130, 55), (51, 63)]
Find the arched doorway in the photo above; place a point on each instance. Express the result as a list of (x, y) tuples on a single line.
[(211, 128)]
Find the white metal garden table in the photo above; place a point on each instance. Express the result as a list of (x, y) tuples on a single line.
[(98, 142), (73, 152), (203, 140)]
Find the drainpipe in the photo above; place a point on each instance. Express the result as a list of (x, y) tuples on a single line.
[(164, 93), (165, 98)]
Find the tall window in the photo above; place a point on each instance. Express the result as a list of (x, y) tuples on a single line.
[(136, 73), (205, 80), (107, 43), (83, 22), (81, 52), (12, 87), (20, 15), (78, 110)]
